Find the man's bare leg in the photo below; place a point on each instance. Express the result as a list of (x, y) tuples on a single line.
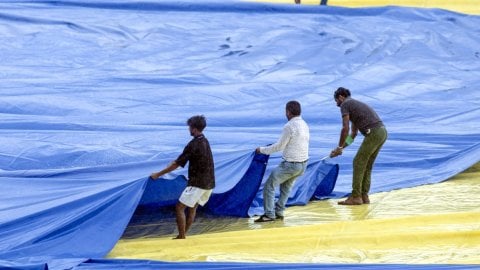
[(180, 214), (191, 212)]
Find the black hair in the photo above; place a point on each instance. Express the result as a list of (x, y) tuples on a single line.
[(198, 121), (341, 91), (294, 107)]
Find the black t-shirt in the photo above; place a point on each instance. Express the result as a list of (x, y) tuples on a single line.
[(361, 115), (201, 169)]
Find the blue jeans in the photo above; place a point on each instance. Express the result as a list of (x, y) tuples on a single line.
[(284, 176)]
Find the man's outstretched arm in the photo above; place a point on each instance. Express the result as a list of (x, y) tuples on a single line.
[(171, 167)]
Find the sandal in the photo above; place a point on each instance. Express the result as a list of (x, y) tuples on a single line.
[(264, 218)]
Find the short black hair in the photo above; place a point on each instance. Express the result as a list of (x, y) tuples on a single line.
[(294, 107), (341, 91), (198, 121)]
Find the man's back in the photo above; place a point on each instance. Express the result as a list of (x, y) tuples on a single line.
[(361, 115), (296, 149), (201, 166)]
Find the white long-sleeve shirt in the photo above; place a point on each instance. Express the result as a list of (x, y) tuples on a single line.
[(294, 141)]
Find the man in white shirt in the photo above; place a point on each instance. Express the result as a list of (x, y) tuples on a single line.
[(294, 144)]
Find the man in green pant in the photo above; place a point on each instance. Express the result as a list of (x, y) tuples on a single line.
[(364, 119)]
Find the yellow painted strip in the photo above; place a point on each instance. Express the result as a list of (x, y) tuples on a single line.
[(450, 238), (464, 6)]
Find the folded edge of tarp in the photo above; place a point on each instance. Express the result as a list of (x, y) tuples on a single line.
[(95, 264), (233, 202), (8, 265), (238, 200), (318, 180)]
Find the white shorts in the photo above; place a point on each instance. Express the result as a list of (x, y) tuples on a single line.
[(193, 195)]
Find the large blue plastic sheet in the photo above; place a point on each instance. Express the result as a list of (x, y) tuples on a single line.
[(95, 95)]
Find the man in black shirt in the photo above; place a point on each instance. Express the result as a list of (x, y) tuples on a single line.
[(365, 119), (201, 177)]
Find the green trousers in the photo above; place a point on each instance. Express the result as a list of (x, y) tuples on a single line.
[(364, 159)]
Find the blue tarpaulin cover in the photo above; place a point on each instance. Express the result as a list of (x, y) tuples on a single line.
[(95, 95)]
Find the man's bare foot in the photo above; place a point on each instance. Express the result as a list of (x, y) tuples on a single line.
[(365, 199), (352, 201), (179, 237)]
